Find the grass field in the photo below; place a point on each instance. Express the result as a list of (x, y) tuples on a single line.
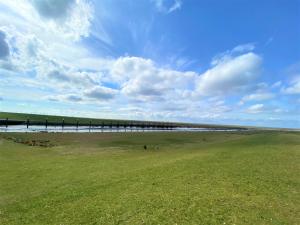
[(181, 178)]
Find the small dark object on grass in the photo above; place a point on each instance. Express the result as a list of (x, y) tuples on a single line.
[(145, 147)]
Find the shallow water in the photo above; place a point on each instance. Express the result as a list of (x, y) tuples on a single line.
[(86, 129)]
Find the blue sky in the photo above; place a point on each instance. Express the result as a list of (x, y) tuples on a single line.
[(206, 61)]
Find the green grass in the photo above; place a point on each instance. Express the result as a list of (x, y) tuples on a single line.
[(182, 178), (51, 118)]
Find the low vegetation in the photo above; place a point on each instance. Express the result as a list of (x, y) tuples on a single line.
[(179, 178)]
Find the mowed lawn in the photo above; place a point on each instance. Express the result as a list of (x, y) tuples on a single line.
[(181, 178)]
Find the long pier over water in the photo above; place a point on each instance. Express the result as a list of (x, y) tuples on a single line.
[(104, 125)]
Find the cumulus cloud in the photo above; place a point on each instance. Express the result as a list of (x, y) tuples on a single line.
[(73, 98), (58, 75), (43, 36), (100, 93), (142, 79), (64, 19), (87, 96), (230, 75), (71, 78), (4, 48), (54, 9), (47, 48)]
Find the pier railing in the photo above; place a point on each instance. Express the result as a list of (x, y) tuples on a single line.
[(110, 124)]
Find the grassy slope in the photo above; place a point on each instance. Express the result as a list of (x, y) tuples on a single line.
[(50, 118), (184, 178)]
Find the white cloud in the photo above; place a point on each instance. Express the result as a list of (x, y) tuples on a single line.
[(277, 84), (96, 94), (177, 5), (142, 79), (53, 9), (266, 109), (4, 48), (65, 97), (135, 78), (68, 78), (58, 76), (44, 38), (244, 48), (229, 54), (167, 6), (257, 108), (260, 96), (294, 87), (36, 42), (230, 75), (25, 17), (100, 93)]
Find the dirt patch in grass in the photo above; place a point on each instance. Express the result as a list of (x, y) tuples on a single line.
[(30, 142)]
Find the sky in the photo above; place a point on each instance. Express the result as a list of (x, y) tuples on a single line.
[(201, 61)]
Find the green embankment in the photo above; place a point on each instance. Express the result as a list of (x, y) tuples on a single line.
[(181, 178), (50, 118)]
